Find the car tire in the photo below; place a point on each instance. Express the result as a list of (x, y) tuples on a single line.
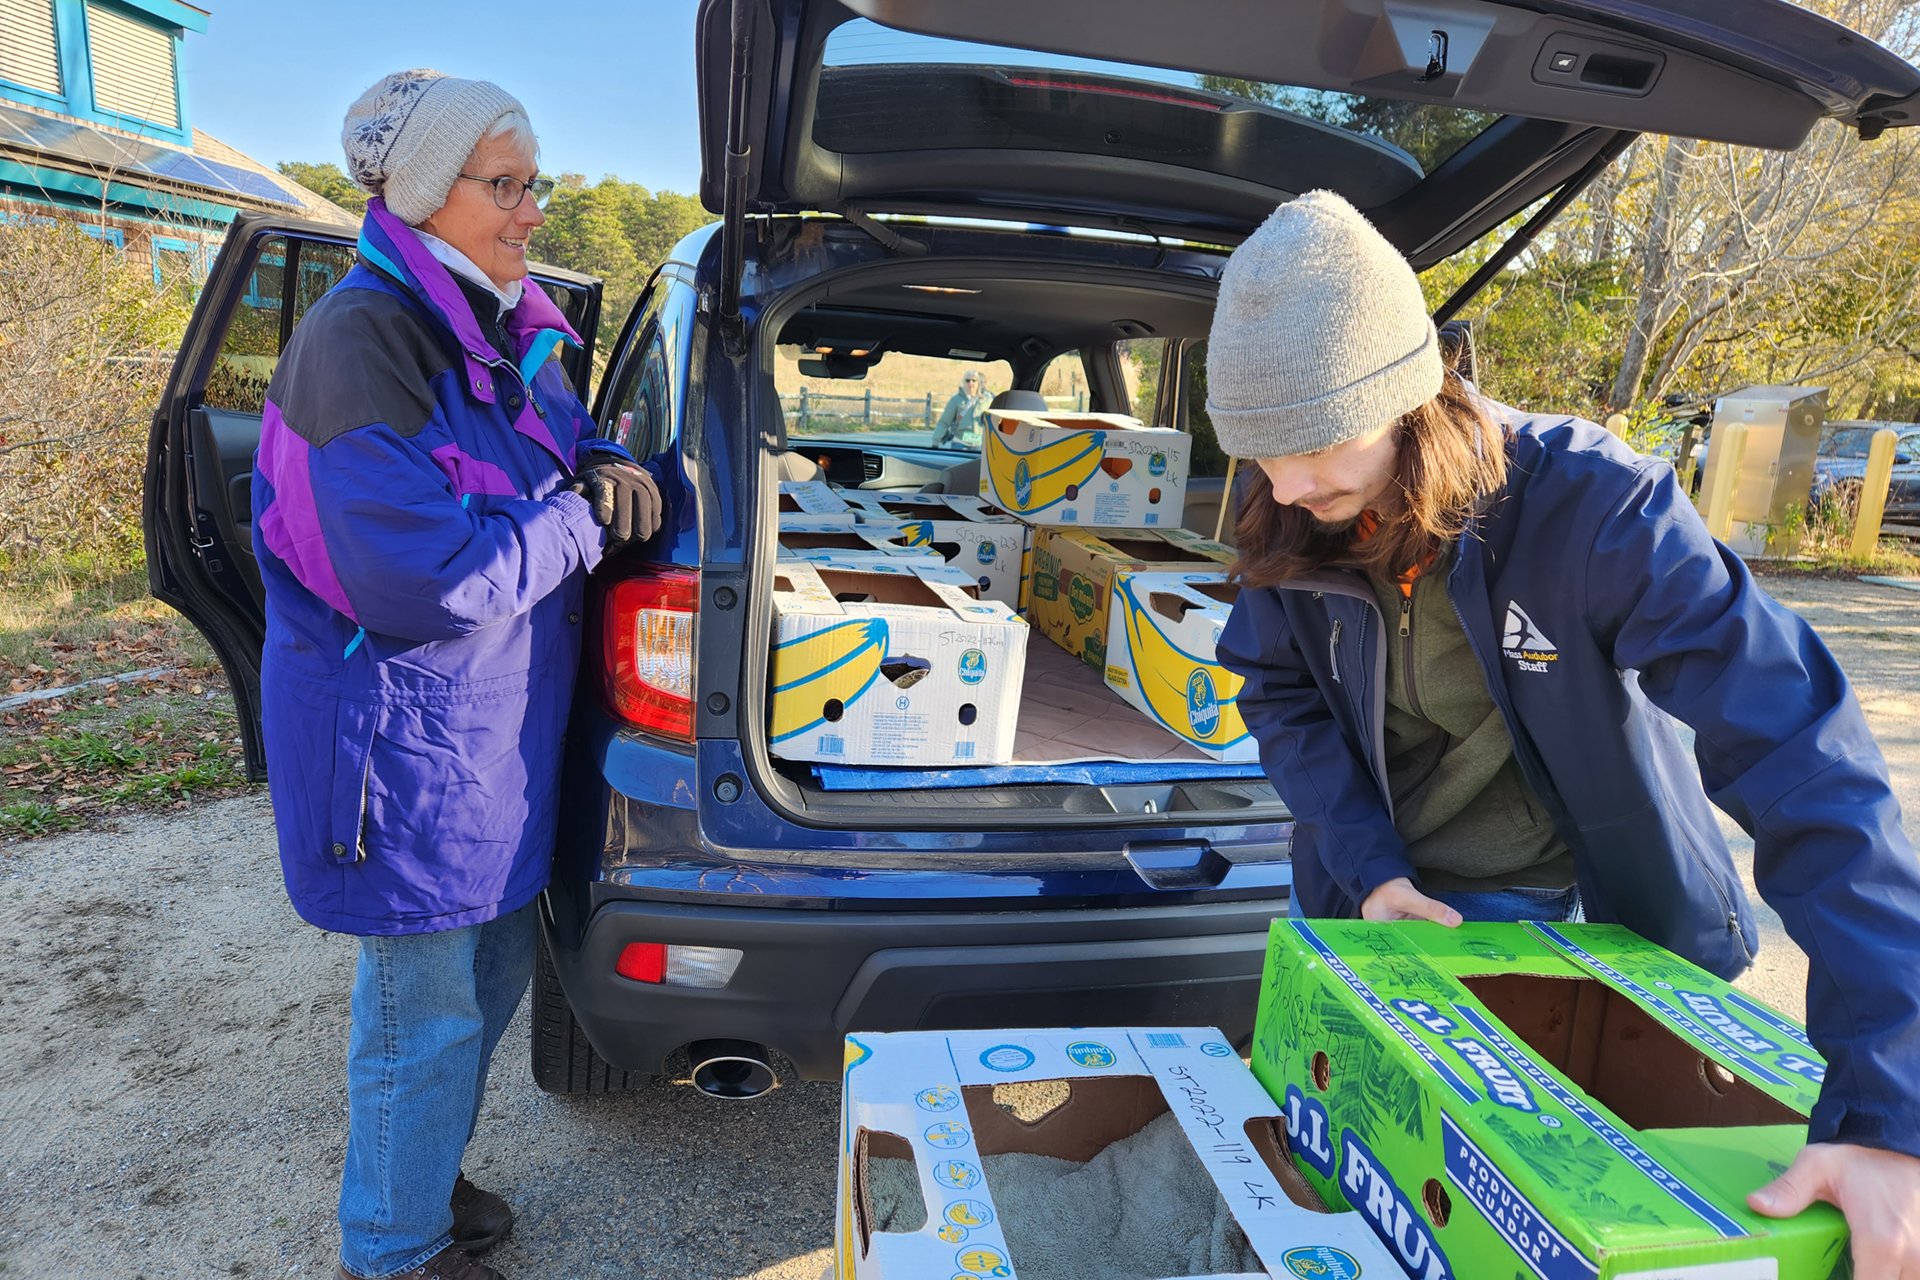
[(563, 1061)]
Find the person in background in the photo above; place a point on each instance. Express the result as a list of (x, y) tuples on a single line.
[(965, 415), (1465, 634), (429, 498)]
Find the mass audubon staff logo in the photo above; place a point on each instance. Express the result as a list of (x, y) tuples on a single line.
[(1525, 643)]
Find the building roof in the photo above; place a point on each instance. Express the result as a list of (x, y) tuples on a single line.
[(210, 172)]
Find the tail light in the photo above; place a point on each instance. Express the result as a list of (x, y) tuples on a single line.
[(677, 966), (648, 648)]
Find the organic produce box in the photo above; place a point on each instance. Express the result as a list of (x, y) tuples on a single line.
[(1180, 1154), (892, 663), (814, 498), (1162, 630), (1102, 469), (1568, 1102), (964, 531), (1073, 572)]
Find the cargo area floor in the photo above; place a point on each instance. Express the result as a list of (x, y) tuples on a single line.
[(1072, 728)]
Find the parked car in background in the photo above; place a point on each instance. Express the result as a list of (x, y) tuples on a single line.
[(1680, 433), (716, 908), (1840, 468)]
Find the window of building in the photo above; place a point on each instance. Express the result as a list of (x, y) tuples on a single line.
[(176, 264), (112, 235), (29, 50), (134, 71)]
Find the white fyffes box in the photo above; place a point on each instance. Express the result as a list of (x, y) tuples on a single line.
[(1163, 630), (1098, 469), (928, 1096), (963, 530), (894, 661), (814, 499)]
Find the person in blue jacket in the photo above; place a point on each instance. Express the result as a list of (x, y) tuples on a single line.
[(429, 496), (1465, 635)]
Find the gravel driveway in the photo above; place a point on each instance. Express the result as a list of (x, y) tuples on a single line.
[(172, 1037)]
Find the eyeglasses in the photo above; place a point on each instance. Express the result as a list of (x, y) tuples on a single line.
[(509, 191)]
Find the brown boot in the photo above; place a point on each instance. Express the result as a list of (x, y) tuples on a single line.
[(451, 1263), (481, 1219)]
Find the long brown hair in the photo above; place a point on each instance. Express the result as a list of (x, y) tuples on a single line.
[(1450, 456)]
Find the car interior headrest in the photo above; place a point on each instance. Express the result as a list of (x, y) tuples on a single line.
[(1020, 401)]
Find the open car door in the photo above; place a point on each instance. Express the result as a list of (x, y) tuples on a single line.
[(197, 511)]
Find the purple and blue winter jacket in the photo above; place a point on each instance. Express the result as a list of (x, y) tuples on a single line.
[(424, 573)]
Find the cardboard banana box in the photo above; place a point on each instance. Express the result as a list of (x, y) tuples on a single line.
[(892, 662), (815, 499), (931, 1156), (1098, 469), (1071, 585), (1566, 1102), (964, 531), (809, 537), (1162, 632)]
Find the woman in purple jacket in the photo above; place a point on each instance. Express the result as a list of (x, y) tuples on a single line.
[(429, 497)]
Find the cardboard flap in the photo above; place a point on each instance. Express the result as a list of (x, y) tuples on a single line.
[(1100, 1112), (852, 587)]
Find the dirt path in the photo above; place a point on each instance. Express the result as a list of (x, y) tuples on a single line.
[(172, 1037)]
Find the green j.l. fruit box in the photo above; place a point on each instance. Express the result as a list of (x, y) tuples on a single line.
[(1567, 1102)]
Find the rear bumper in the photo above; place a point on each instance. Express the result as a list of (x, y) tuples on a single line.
[(808, 977)]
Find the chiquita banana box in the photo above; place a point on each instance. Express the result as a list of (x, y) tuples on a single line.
[(1182, 1162), (892, 662), (1071, 584), (964, 531), (808, 537), (1566, 1102), (1100, 469), (813, 498), (1162, 629)]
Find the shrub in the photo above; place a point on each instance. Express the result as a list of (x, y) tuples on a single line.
[(86, 340)]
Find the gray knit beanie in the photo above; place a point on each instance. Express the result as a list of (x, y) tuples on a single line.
[(407, 137), (1320, 335)]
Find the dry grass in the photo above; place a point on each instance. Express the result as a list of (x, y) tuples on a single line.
[(91, 755)]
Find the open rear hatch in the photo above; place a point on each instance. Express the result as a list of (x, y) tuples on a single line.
[(1196, 119), (1191, 122)]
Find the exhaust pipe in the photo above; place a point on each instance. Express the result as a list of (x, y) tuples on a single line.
[(731, 1069)]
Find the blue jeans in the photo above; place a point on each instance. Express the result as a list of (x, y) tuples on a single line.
[(1508, 906), (428, 1009)]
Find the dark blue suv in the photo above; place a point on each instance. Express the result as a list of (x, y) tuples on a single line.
[(908, 190)]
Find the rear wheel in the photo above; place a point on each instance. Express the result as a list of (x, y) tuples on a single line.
[(563, 1061)]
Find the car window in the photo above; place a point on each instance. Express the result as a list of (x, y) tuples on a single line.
[(1064, 383), (1141, 360), (642, 400), (903, 399), (1208, 458), (276, 297), (1026, 98)]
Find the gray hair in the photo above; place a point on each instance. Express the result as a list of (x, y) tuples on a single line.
[(515, 128)]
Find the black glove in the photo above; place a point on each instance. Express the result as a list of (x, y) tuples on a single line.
[(625, 501)]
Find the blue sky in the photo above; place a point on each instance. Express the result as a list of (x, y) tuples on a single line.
[(610, 86)]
